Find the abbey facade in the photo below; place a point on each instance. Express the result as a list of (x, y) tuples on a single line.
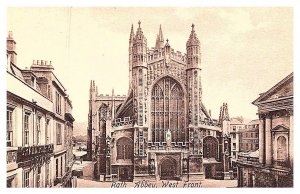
[(161, 130)]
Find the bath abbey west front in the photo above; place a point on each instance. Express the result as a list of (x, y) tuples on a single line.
[(161, 130)]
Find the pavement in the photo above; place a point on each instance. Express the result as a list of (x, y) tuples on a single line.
[(207, 183)]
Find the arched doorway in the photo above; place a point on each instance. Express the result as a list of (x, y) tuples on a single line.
[(168, 169), (208, 173)]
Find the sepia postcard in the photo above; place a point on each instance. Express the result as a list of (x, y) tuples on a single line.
[(149, 97)]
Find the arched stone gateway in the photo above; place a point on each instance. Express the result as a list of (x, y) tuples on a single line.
[(168, 169)]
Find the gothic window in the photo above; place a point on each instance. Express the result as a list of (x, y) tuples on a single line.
[(167, 111), (124, 148), (103, 112), (281, 149), (210, 145), (140, 77)]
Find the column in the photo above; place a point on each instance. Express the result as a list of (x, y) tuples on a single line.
[(261, 140), (268, 141)]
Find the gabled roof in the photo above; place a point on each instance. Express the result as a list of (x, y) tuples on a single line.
[(126, 109), (204, 110), (253, 122), (280, 128), (236, 121), (268, 94)]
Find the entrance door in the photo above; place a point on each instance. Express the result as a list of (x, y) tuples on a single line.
[(124, 174), (168, 169), (208, 173)]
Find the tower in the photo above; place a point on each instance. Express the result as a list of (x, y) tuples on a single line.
[(90, 121), (139, 85), (226, 141), (139, 75), (11, 48), (194, 91), (194, 95), (193, 78)]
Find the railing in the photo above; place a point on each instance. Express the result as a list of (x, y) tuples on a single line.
[(163, 145), (27, 153), (121, 122)]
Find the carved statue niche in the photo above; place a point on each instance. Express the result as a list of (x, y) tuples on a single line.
[(168, 138), (185, 165), (151, 166)]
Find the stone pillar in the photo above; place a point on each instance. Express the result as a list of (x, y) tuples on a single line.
[(261, 140), (268, 141), (291, 140)]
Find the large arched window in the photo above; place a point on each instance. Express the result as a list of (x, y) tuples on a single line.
[(124, 148), (167, 111), (210, 147), (281, 149)]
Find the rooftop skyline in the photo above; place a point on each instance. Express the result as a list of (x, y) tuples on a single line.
[(239, 47)]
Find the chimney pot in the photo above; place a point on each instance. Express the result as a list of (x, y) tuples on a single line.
[(42, 62), (38, 62)]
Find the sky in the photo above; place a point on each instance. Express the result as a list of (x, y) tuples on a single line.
[(245, 51)]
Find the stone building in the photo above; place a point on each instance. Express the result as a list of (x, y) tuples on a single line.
[(249, 137), (161, 130), (39, 125), (274, 165), (236, 125)]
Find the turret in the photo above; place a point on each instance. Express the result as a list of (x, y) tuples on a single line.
[(193, 50), (11, 48), (159, 39), (92, 90), (139, 74), (224, 119), (139, 48)]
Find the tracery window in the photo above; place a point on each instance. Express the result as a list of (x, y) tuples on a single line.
[(210, 145), (124, 148), (167, 111)]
